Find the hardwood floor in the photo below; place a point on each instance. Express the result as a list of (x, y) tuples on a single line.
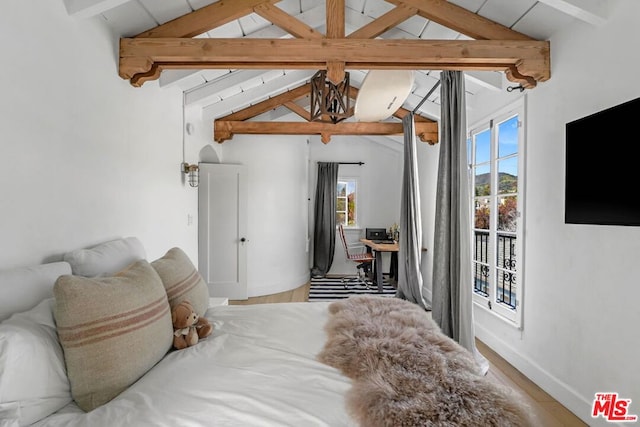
[(300, 294), (549, 412)]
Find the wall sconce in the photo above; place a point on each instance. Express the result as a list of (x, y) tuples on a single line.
[(193, 174), (192, 171)]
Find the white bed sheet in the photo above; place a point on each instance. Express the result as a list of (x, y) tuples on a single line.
[(258, 368)]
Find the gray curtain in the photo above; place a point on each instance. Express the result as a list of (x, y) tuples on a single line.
[(324, 232), (452, 276), (410, 253)]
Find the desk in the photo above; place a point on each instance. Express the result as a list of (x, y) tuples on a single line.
[(378, 248)]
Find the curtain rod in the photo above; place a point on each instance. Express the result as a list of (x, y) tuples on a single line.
[(348, 163), (435, 86)]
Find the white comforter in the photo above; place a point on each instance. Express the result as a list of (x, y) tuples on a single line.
[(258, 368)]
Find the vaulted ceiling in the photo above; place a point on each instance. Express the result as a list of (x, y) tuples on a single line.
[(231, 55)]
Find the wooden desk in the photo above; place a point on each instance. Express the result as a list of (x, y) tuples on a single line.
[(378, 248)]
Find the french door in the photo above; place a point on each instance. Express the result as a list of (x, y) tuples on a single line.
[(496, 153)]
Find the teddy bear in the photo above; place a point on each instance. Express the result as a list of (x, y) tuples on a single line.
[(188, 327)]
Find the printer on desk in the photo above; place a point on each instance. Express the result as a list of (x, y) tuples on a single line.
[(378, 235)]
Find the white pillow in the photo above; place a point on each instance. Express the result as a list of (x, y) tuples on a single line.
[(33, 379), (25, 287), (106, 258)]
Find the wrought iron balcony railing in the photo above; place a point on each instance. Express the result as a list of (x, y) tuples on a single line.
[(505, 267)]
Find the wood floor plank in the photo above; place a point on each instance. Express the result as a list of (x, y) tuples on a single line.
[(300, 294), (566, 417), (513, 374), (548, 411)]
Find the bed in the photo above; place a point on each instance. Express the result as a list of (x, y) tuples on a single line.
[(257, 368), (263, 365)]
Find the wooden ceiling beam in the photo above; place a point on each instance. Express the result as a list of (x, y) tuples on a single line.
[(299, 110), (335, 30), (335, 19), (207, 18), (401, 112), (236, 123), (292, 25), (223, 130), (518, 67), (528, 60), (460, 19), (305, 53), (384, 23)]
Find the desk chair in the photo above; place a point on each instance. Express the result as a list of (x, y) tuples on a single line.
[(357, 253)]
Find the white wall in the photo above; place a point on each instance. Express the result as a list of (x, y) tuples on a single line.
[(581, 315), (282, 173), (199, 144), (84, 156), (277, 209), (282, 176)]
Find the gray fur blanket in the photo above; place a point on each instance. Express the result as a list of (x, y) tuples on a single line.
[(406, 372)]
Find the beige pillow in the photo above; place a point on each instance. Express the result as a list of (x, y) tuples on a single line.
[(112, 330), (182, 280)]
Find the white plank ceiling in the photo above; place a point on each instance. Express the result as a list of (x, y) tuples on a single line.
[(220, 92)]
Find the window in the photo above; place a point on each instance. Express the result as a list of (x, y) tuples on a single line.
[(496, 157), (346, 202)]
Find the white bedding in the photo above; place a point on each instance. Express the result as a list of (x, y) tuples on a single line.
[(258, 368)]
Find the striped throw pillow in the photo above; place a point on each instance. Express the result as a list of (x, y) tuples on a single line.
[(182, 280), (112, 330)]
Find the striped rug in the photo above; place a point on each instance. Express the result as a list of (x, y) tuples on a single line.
[(331, 288)]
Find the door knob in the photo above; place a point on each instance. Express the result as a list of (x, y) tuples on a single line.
[(242, 239)]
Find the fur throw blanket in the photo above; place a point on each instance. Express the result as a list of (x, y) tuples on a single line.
[(406, 372)]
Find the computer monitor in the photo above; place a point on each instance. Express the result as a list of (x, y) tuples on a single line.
[(376, 233)]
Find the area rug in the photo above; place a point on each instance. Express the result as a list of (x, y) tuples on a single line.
[(406, 372), (332, 288)]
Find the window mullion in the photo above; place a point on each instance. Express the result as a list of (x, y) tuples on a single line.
[(493, 224)]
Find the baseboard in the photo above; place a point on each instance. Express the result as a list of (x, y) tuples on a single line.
[(563, 393)]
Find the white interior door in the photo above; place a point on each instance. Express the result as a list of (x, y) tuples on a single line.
[(222, 224)]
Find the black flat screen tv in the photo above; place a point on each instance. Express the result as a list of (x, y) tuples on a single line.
[(602, 175)]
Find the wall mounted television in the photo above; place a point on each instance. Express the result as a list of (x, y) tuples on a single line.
[(602, 175)]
